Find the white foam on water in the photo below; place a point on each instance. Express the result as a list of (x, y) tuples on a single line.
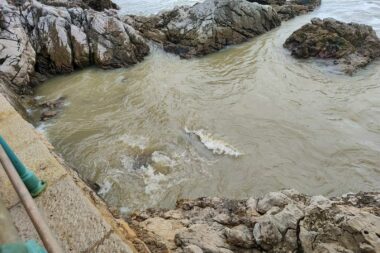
[(152, 180), (125, 210), (105, 188), (38, 97), (42, 127), (218, 147), (127, 162), (162, 159), (135, 141)]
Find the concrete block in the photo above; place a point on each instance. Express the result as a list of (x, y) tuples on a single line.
[(7, 193), (77, 224), (38, 158), (16, 131)]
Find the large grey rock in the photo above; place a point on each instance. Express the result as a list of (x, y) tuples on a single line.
[(342, 225), (39, 40), (352, 45), (240, 236), (206, 27), (70, 38), (205, 237), (272, 199)]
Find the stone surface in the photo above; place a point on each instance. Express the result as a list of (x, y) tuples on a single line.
[(285, 221), (17, 56), (351, 45), (288, 9), (206, 27), (61, 203)]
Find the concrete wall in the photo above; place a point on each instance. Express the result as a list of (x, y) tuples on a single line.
[(79, 219)]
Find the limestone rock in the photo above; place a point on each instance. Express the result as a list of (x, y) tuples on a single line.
[(208, 239), (292, 222), (240, 236), (206, 27), (69, 38), (270, 200), (352, 45)]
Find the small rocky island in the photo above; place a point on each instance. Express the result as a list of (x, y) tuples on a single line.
[(351, 45)]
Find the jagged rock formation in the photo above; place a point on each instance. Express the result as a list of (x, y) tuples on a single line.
[(98, 5), (285, 221), (352, 45), (214, 24), (288, 9), (206, 27), (38, 40)]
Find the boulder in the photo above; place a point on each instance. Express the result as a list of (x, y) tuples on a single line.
[(351, 45), (68, 38), (289, 222), (206, 27)]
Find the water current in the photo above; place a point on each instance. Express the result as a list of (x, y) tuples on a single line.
[(237, 123)]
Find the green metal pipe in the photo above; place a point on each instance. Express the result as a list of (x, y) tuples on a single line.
[(32, 182), (31, 208)]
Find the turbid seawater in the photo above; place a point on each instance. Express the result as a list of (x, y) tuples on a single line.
[(237, 123)]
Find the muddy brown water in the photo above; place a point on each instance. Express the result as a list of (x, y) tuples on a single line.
[(242, 122)]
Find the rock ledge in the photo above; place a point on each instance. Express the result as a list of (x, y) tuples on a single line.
[(285, 221)]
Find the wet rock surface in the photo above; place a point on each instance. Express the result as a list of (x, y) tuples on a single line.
[(352, 45), (38, 40), (51, 108), (206, 27), (285, 221), (98, 5), (289, 9)]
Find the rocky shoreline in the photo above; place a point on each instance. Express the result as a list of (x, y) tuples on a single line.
[(285, 221), (39, 39)]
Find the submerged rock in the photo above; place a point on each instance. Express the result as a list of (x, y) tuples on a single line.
[(352, 45), (206, 27), (285, 221), (51, 108)]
